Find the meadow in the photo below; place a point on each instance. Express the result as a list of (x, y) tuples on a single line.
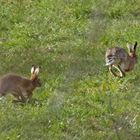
[(79, 99)]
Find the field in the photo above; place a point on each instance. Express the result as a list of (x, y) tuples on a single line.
[(79, 99)]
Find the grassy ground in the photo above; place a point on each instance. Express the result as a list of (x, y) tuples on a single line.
[(79, 99)]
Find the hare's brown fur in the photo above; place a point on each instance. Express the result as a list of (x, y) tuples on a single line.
[(19, 86), (117, 57)]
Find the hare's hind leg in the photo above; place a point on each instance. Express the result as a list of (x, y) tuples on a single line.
[(121, 73), (111, 71), (18, 99), (19, 96)]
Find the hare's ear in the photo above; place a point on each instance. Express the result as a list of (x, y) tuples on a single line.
[(129, 48), (32, 69), (37, 71), (135, 45)]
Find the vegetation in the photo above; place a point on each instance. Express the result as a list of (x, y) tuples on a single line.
[(79, 99)]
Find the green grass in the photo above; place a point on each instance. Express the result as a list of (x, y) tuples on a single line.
[(79, 99)]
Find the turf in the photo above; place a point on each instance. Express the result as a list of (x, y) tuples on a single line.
[(79, 99)]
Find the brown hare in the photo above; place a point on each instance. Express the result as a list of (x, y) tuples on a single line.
[(121, 60), (18, 86)]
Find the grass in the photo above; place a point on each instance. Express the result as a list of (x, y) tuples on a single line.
[(79, 99)]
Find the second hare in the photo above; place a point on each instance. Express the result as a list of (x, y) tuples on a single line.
[(120, 59), (20, 87)]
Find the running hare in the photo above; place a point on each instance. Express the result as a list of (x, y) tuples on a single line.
[(18, 86), (121, 60)]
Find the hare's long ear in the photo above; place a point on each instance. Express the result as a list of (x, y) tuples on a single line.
[(129, 48), (32, 69), (37, 71), (135, 45)]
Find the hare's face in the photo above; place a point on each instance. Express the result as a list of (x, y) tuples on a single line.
[(37, 82)]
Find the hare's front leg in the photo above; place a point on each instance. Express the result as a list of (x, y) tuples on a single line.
[(29, 96)]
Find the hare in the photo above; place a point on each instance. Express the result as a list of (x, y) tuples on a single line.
[(21, 88), (121, 60)]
